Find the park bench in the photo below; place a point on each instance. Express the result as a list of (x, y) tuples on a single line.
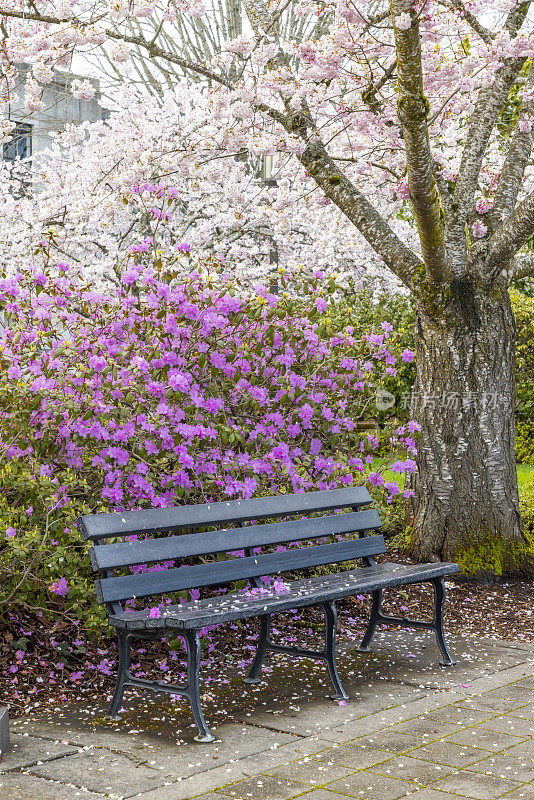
[(149, 538)]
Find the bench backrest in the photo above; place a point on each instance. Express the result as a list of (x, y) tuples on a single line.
[(168, 549)]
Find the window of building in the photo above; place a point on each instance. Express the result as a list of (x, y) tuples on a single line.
[(19, 145)]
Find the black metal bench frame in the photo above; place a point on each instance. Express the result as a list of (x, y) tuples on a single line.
[(189, 618)]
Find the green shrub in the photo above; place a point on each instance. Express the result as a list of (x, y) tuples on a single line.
[(526, 503), (523, 307)]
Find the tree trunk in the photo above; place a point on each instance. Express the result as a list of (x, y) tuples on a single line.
[(466, 505)]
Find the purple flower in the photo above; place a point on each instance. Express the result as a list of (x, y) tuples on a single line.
[(130, 276), (10, 532), (407, 355), (320, 305), (14, 372), (376, 479), (104, 667), (60, 587), (154, 612), (183, 247), (376, 339), (98, 363), (178, 381)]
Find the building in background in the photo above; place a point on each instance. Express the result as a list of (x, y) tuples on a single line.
[(34, 129)]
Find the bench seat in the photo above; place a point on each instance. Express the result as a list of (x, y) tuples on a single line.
[(305, 592)]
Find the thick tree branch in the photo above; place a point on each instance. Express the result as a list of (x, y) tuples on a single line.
[(510, 238), (355, 206), (485, 34), (413, 111), (516, 160), (487, 109), (369, 95), (523, 266)]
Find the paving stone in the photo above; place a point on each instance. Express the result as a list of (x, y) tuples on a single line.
[(504, 766), (525, 792), (214, 780), (525, 712), (390, 740), (355, 756), (369, 786), (318, 794), (509, 724), (262, 762), (209, 796), (460, 716), (431, 794), (97, 736), (405, 713), (413, 769), (519, 695), (102, 771), (311, 771), (236, 743), (478, 736), (483, 703), (481, 787), (262, 787), (17, 786), (28, 750), (425, 728), (525, 750), (318, 719), (297, 748), (4, 730), (446, 752), (178, 760), (527, 682)]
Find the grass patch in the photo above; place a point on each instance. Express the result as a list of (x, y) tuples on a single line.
[(525, 473)]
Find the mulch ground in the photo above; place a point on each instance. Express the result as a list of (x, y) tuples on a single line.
[(45, 663)]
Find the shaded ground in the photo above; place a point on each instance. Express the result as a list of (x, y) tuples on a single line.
[(46, 665)]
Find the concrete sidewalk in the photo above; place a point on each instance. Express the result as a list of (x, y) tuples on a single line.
[(411, 728)]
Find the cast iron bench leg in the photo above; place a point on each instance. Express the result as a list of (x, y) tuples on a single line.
[(255, 670), (193, 691), (376, 612), (123, 673), (439, 602), (330, 618)]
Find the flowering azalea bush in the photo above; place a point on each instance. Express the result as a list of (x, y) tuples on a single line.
[(170, 391)]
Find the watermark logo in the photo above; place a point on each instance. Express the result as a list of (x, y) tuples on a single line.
[(384, 400)]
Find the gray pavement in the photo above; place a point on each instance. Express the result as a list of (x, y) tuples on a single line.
[(411, 729)]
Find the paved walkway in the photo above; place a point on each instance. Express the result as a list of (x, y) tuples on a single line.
[(411, 728)]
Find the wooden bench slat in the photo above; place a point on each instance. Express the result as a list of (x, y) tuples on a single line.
[(125, 554), (102, 526), (221, 572), (307, 591)]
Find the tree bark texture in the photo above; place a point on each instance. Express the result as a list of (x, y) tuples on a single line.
[(466, 481)]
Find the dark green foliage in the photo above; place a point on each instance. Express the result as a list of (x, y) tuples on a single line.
[(523, 306)]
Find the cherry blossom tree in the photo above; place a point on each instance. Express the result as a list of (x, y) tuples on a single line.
[(418, 114), (83, 205)]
